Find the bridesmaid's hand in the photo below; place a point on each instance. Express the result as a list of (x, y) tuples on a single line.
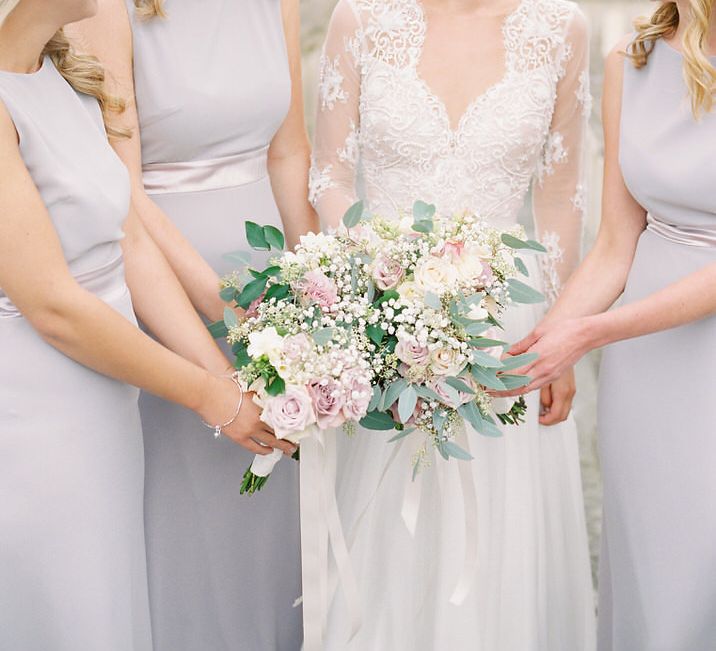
[(556, 399), (558, 345), (247, 429)]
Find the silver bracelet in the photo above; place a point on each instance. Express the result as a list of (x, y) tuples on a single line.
[(217, 428)]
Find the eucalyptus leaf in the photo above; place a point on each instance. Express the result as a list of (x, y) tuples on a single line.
[(230, 318), (255, 236), (490, 429), (406, 403), (452, 396), (516, 243), (423, 226), (227, 293), (487, 377), (378, 420), (521, 267), (516, 361), (522, 293), (401, 434), (423, 211), (375, 398), (273, 270), (441, 449), (512, 382), (484, 359), (432, 300), (427, 393), (274, 237), (456, 452), (218, 329), (392, 393), (484, 342), (240, 258), (536, 246), (353, 215), (476, 328), (242, 357), (439, 420), (471, 414), (323, 336), (459, 385)]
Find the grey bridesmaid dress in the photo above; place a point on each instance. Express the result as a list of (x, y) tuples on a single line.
[(656, 417), (212, 87), (72, 559)]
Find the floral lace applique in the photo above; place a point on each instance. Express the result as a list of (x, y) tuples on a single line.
[(583, 93), (330, 84), (319, 181)]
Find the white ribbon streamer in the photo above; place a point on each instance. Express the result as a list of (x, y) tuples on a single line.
[(469, 497)]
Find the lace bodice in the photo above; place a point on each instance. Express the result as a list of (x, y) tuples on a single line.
[(384, 136)]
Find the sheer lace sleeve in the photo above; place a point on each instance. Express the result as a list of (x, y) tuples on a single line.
[(335, 155), (559, 193)]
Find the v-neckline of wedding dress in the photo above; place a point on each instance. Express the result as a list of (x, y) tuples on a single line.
[(454, 129)]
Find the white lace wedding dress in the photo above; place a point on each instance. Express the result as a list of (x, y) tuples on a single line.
[(385, 136)]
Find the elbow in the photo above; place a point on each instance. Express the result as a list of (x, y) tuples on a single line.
[(56, 318)]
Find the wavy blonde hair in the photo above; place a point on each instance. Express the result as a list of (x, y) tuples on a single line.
[(699, 73), (150, 8)]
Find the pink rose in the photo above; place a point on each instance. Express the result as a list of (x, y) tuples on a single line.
[(290, 414), (327, 397), (357, 398), (319, 288), (387, 273), (452, 248), (296, 347), (439, 386), (412, 353)]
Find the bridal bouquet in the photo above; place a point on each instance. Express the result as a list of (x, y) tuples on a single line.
[(387, 324)]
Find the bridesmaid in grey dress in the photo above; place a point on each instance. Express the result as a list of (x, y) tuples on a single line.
[(656, 419), (219, 112), (72, 554)]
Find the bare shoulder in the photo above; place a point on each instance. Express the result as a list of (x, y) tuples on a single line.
[(614, 67), (108, 31)]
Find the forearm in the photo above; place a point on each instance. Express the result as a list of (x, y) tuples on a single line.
[(595, 285), (199, 280), (163, 306), (92, 333), (289, 181), (685, 301)]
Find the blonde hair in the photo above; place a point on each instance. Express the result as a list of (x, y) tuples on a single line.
[(150, 8), (84, 73), (699, 73)]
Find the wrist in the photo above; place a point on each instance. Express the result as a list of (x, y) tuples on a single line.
[(595, 330)]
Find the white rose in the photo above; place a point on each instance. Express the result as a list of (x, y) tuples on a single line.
[(435, 275), (470, 262), (477, 312), (502, 405), (266, 342), (410, 291), (446, 361), (405, 225)]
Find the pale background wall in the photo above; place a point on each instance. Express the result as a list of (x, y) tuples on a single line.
[(609, 20)]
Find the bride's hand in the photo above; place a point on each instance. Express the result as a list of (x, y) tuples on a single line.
[(558, 346), (247, 429), (556, 399)]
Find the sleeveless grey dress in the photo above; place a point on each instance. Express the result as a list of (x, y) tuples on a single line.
[(212, 87), (656, 418), (72, 559)]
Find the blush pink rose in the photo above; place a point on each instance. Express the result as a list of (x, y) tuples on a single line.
[(463, 397), (253, 310), (453, 248), (290, 414), (387, 273), (315, 286), (328, 401), (412, 353), (357, 398)]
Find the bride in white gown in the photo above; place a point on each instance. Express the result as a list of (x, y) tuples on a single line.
[(464, 104)]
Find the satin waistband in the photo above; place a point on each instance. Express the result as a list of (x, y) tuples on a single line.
[(691, 236), (202, 175), (105, 282)]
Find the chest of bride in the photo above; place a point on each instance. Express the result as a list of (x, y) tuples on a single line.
[(402, 124)]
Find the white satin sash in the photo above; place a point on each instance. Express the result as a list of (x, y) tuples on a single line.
[(204, 175), (689, 235)]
